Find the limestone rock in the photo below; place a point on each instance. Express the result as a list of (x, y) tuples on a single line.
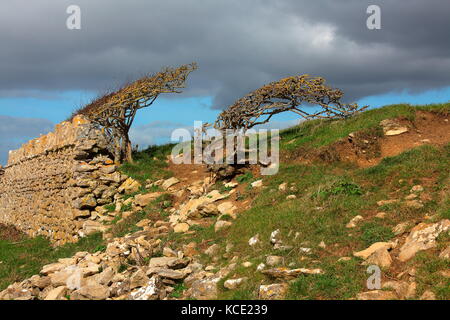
[(129, 186), (161, 262), (169, 183), (289, 274), (138, 279), (381, 258), (377, 295), (181, 227), (428, 295), (213, 250), (403, 289), (227, 208), (276, 291), (93, 292), (445, 254), (232, 284), (151, 291), (221, 224), (354, 221), (274, 260), (257, 184), (144, 200), (422, 237), (57, 293), (205, 289), (392, 127), (364, 254), (253, 240)]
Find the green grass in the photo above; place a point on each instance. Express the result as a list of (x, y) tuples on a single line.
[(318, 133), (149, 164), (428, 274), (340, 280), (328, 197), (23, 259), (375, 232)]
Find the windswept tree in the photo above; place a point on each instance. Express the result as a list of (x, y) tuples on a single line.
[(308, 97), (115, 112), (296, 94)]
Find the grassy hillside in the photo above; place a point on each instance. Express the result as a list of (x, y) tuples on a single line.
[(327, 196)]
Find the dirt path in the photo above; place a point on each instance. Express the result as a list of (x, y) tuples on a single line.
[(428, 128)]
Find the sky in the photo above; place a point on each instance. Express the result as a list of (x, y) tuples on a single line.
[(47, 70)]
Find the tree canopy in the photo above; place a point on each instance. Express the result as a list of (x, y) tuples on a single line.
[(115, 112), (289, 94)]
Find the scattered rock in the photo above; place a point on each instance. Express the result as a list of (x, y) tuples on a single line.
[(257, 184), (181, 227), (92, 292), (213, 250), (381, 258), (381, 215), (260, 267), (428, 295), (387, 202), (400, 228), (144, 200), (403, 289), (377, 295), (417, 189), (445, 254), (149, 292), (205, 289), (129, 186), (276, 291), (422, 237), (227, 208), (364, 254), (221, 224), (169, 183), (289, 274), (416, 204), (273, 261), (253, 240), (57, 294), (232, 284), (354, 221), (392, 127)]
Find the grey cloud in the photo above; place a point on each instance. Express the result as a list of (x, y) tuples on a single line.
[(239, 45), (16, 131)]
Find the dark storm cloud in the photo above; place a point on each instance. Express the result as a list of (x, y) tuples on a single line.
[(239, 45), (16, 131)]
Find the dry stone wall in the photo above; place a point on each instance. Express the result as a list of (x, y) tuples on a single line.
[(57, 185)]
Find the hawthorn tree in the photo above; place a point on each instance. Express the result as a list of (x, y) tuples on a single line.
[(293, 94), (296, 94), (114, 113)]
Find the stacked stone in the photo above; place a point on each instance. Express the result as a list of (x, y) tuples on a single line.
[(57, 185)]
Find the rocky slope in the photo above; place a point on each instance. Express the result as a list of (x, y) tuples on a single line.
[(191, 245)]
